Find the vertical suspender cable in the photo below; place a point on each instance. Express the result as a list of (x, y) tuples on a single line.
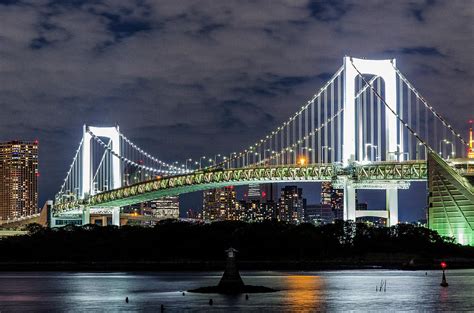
[(400, 126), (410, 149), (332, 145), (372, 139), (313, 138), (364, 110), (417, 113), (339, 124), (319, 145), (379, 121), (300, 132), (306, 141), (359, 122)]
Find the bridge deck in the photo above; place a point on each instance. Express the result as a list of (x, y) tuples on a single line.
[(202, 180)]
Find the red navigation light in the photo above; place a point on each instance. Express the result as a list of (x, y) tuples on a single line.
[(443, 265), (37, 174), (264, 194), (471, 121), (36, 141)]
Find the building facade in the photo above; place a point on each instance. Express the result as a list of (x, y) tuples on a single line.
[(318, 214), (291, 205), (165, 208), (333, 198), (18, 179), (220, 204)]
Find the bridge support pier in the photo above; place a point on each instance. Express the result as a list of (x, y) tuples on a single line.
[(86, 216), (116, 216), (392, 206), (349, 202)]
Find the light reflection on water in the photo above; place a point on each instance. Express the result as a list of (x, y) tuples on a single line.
[(304, 292), (299, 292)]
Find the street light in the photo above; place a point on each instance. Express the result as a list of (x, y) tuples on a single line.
[(188, 160), (328, 148), (303, 159), (447, 142), (215, 158), (200, 161), (367, 152)]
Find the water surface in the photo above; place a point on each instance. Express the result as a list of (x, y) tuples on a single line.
[(353, 290)]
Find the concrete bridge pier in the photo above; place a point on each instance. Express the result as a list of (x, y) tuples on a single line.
[(116, 216), (86, 215), (392, 206), (349, 201)]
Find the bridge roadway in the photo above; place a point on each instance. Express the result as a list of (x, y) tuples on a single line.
[(386, 172)]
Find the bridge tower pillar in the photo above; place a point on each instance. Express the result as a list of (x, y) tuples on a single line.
[(349, 213), (87, 188), (392, 206), (351, 149)]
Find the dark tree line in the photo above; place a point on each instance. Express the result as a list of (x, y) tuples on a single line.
[(179, 241)]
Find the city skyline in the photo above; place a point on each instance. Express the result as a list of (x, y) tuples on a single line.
[(237, 103)]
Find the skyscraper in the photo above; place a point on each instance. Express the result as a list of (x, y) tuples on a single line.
[(220, 204), (291, 205), (18, 179), (166, 207), (333, 198)]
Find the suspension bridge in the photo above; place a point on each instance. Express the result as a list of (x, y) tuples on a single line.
[(368, 127)]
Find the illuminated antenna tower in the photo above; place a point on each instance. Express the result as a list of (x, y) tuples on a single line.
[(470, 152)]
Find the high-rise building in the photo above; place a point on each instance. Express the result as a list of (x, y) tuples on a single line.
[(333, 198), (253, 192), (268, 192), (220, 204), (18, 179), (319, 214), (165, 208), (291, 205)]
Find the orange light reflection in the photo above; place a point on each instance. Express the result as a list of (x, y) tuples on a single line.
[(305, 293)]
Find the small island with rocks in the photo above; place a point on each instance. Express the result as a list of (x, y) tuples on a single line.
[(231, 282)]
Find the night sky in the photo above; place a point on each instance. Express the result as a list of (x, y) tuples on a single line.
[(191, 78)]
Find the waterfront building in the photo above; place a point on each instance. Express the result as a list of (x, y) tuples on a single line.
[(333, 198), (18, 179), (318, 214), (220, 204), (165, 208), (291, 205)]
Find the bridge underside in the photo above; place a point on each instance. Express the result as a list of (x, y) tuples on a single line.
[(451, 202)]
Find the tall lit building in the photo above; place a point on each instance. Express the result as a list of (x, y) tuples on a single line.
[(253, 192), (291, 205), (18, 179), (220, 204), (165, 208), (333, 198), (319, 214)]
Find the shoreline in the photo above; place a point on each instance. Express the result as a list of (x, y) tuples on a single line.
[(144, 266)]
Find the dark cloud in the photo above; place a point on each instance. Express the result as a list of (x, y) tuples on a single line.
[(188, 78), (424, 51)]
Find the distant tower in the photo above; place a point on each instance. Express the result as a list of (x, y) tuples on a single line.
[(470, 152)]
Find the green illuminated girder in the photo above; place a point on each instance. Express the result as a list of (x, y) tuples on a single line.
[(196, 181), (175, 185), (408, 170)]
